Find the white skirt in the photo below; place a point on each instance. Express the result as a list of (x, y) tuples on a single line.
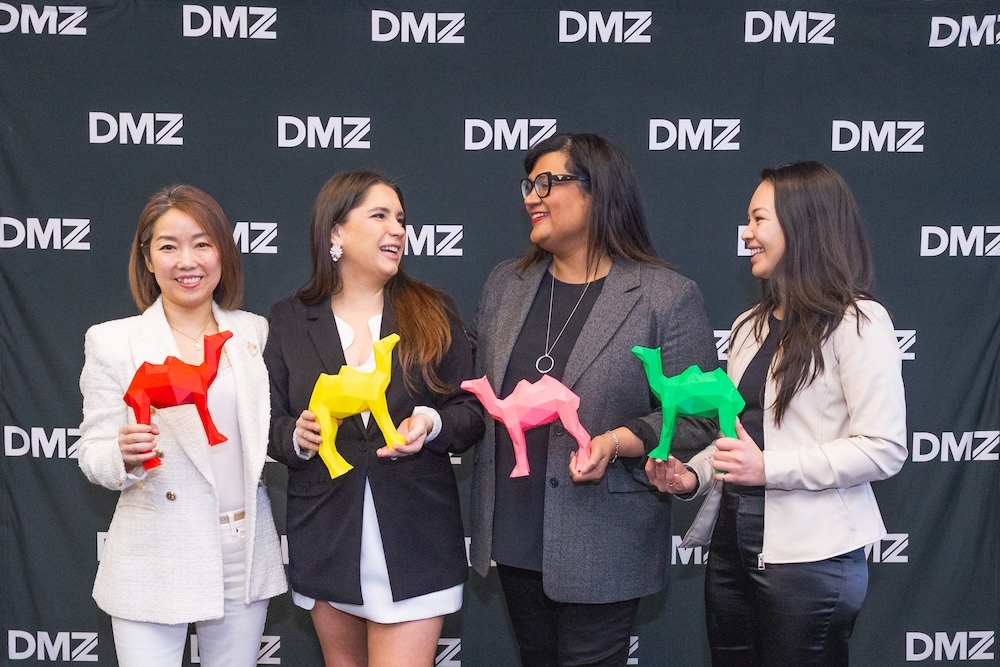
[(376, 592)]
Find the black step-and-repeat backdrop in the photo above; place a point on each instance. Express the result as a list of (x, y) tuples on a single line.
[(101, 103)]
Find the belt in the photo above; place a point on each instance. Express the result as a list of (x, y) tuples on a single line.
[(232, 517)]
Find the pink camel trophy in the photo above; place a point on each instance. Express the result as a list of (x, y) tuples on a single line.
[(531, 405), (175, 382)]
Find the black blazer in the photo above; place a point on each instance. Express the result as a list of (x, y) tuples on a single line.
[(416, 497)]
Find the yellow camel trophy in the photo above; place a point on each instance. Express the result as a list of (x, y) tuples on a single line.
[(351, 392)]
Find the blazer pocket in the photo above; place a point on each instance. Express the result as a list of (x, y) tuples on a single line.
[(620, 481)]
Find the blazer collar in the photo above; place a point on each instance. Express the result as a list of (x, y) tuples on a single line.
[(617, 298), (156, 342)]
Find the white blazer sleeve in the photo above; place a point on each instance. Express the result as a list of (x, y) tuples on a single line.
[(873, 445), (104, 412)]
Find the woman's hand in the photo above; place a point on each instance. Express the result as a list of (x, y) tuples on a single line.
[(307, 431), (739, 460), (415, 430), (670, 476), (136, 443), (602, 448)]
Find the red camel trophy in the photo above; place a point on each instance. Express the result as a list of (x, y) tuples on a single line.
[(174, 383)]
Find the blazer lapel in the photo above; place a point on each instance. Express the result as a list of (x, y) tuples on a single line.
[(620, 294), (325, 337), (155, 344), (514, 308)]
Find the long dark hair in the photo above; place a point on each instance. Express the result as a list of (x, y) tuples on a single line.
[(421, 309), (825, 270), (617, 225)]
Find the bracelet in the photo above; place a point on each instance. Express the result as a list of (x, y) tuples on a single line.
[(615, 438)]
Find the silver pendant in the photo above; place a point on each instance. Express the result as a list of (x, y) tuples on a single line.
[(197, 345), (539, 362)]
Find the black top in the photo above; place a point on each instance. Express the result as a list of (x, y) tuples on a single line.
[(520, 502), (752, 390)]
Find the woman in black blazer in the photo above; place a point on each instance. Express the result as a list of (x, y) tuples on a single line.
[(378, 553), (577, 543)]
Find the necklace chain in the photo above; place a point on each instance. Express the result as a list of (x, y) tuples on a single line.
[(196, 339), (545, 363)]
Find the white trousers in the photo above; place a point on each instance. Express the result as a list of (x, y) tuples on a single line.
[(231, 641)]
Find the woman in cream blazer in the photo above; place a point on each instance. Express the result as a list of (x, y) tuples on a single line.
[(192, 540), (789, 505)]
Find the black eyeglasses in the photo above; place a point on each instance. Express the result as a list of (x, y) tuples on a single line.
[(543, 183)]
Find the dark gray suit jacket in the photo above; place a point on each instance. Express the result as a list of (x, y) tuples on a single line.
[(608, 541)]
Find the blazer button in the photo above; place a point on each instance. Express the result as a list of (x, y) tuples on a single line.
[(363, 447), (553, 482), (558, 429), (173, 496)]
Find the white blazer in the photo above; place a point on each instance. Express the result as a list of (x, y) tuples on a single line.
[(841, 432), (162, 561)]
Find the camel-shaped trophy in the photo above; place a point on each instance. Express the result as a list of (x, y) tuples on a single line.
[(533, 404), (351, 392), (175, 382), (692, 393)]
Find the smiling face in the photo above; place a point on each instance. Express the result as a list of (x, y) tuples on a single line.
[(559, 221), (184, 260), (763, 236), (372, 236)]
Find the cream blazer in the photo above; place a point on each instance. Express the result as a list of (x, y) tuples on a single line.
[(843, 431), (162, 561)]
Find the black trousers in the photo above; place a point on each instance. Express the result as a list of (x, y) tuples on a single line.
[(563, 634), (795, 614)]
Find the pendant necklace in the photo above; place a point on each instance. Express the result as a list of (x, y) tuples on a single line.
[(196, 339), (546, 363)]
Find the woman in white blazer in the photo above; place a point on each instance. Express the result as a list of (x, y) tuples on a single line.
[(789, 504), (193, 539)]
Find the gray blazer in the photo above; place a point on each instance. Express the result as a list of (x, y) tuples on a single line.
[(608, 541)]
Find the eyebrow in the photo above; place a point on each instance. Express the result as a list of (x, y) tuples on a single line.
[(166, 237), (760, 208)]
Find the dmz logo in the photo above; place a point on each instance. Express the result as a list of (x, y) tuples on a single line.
[(59, 647), (61, 233), (440, 240), (433, 28), (39, 444), (633, 646), (199, 20), (501, 133), (935, 241), (150, 128), (335, 132), (686, 555), (803, 27), (710, 134), (269, 645), (960, 646), (893, 136), (448, 650), (969, 446), (889, 549), (573, 26), (905, 339), (722, 343), (263, 234), (48, 21), (944, 31)]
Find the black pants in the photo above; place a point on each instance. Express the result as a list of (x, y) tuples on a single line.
[(795, 614), (563, 634)]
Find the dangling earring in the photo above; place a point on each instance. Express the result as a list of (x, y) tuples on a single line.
[(336, 251)]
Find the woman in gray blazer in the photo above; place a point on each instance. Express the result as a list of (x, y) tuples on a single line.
[(192, 539), (577, 543)]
